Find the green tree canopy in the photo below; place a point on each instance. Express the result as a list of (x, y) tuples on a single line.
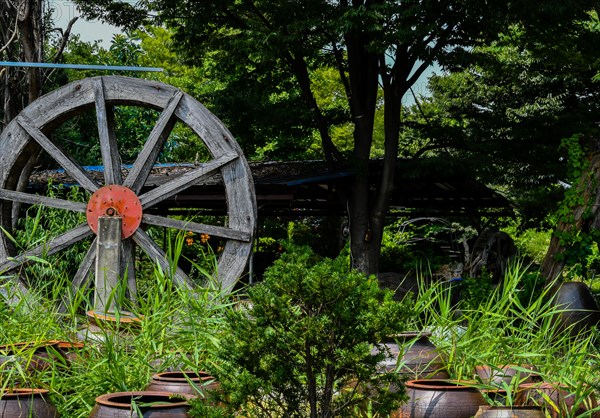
[(378, 48), (518, 109)]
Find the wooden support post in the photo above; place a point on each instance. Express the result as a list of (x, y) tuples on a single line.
[(108, 262)]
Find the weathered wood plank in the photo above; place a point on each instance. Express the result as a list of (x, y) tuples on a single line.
[(198, 228), (81, 278), (157, 255), (13, 289), (156, 140), (36, 199), (127, 269), (71, 166), (53, 246), (239, 187), (241, 191), (184, 181), (108, 141)]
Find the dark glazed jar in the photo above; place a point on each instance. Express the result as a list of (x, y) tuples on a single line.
[(151, 404), (71, 349), (416, 355), (580, 309), (497, 375), (179, 382), (35, 356), (556, 398), (509, 412), (26, 403), (429, 398)]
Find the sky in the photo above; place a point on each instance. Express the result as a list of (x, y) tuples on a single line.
[(64, 10)]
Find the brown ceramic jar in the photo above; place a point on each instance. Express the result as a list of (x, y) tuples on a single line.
[(429, 398), (495, 376), (26, 403), (554, 397), (509, 412), (179, 382), (151, 404), (36, 356), (71, 349), (579, 310), (415, 355)]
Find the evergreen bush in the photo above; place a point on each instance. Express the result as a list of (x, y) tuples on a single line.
[(303, 348)]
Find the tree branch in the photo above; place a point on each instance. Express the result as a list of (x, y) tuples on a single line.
[(339, 60), (261, 16), (299, 69), (12, 38), (426, 63), (64, 40)]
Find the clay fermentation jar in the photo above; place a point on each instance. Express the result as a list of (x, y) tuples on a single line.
[(179, 382), (495, 376), (71, 349), (35, 356), (430, 398), (151, 404), (551, 396), (580, 310), (509, 412), (417, 356), (26, 403)]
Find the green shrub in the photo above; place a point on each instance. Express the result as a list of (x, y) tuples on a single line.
[(531, 243), (303, 348)]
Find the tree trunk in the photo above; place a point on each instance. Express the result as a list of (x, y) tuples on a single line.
[(300, 70), (585, 218), (30, 17), (361, 237), (363, 81), (9, 38), (11, 104)]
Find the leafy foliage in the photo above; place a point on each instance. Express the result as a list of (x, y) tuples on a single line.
[(577, 209), (505, 108), (307, 336), (272, 57)]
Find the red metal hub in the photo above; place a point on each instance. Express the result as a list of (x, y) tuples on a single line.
[(115, 200)]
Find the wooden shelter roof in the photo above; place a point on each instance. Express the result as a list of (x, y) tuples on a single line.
[(305, 188)]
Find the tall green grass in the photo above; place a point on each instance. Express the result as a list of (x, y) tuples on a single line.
[(178, 329), (510, 326), (181, 328)]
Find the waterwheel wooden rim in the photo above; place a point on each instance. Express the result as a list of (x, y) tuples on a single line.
[(31, 130)]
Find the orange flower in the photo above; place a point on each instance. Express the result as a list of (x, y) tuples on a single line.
[(189, 241), (204, 238)]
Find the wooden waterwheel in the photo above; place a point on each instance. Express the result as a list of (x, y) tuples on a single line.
[(122, 190)]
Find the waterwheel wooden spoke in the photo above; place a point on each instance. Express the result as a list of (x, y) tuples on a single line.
[(145, 161), (197, 228), (34, 129), (67, 162), (108, 141), (183, 182), (158, 255), (53, 246), (35, 199), (82, 276)]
